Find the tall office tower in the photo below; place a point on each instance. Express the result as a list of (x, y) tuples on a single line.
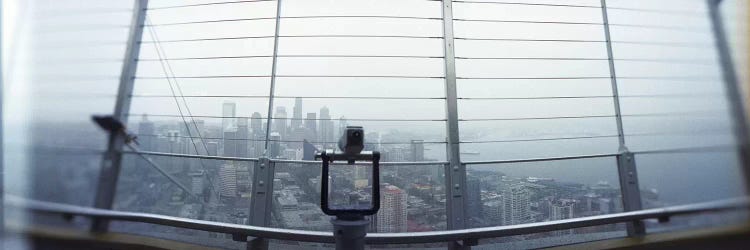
[(296, 136), (473, 198), (297, 115), (228, 180), (492, 212), (417, 150), (308, 151), (517, 205), (243, 138), (258, 135), (311, 128), (561, 210), (243, 177), (259, 145), (326, 128), (274, 146), (175, 145), (230, 143), (279, 122), (392, 215), (256, 124), (228, 112), (342, 126)]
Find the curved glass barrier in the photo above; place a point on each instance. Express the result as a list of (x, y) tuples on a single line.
[(547, 97)]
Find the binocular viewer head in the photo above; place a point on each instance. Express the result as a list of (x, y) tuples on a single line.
[(351, 144)]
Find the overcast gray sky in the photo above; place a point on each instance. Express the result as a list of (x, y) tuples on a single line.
[(67, 58)]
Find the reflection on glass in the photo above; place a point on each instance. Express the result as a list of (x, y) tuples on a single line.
[(412, 197), (350, 187)]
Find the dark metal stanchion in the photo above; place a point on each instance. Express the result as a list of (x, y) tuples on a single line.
[(350, 226)]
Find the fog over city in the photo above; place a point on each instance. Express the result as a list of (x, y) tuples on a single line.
[(532, 82)]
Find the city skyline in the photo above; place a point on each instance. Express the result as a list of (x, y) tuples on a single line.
[(493, 198)]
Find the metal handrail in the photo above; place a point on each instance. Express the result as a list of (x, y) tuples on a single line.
[(194, 156), (416, 163), (226, 158), (432, 163), (541, 159), (662, 214)]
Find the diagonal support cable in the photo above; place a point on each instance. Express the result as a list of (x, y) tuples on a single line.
[(158, 168), (167, 71)]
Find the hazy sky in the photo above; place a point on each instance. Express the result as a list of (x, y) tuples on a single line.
[(70, 52)]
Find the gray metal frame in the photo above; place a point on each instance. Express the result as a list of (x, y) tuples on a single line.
[(2, 141), (663, 214), (274, 59), (262, 199), (110, 170), (455, 171), (626, 167), (733, 90)]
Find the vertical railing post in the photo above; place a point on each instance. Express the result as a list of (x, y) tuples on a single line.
[(111, 161), (272, 88), (733, 91), (261, 201), (626, 167), (2, 141), (455, 172)]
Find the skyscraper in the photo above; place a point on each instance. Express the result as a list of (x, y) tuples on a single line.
[(228, 112), (228, 180), (473, 198), (392, 215), (417, 150), (174, 144), (560, 210), (256, 124), (279, 122), (258, 135), (517, 205), (492, 212), (326, 128), (297, 116), (242, 138), (274, 147), (311, 128), (295, 138)]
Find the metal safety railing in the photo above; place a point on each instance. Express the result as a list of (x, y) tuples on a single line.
[(464, 235), (455, 167)]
